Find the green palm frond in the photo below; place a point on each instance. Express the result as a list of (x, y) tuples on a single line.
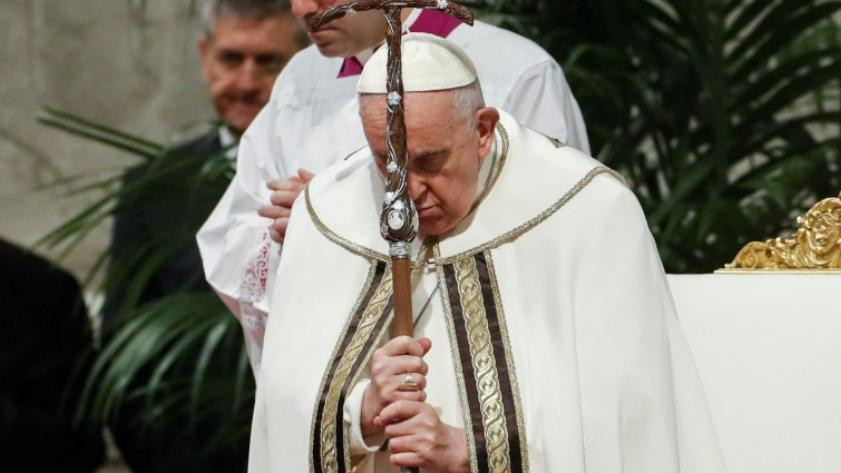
[(153, 356), (195, 178), (84, 128), (723, 115), (179, 360)]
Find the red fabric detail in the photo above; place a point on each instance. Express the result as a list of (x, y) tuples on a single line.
[(350, 67), (435, 22), (429, 21)]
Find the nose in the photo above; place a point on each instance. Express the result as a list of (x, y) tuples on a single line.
[(248, 74), (417, 186), (302, 8)]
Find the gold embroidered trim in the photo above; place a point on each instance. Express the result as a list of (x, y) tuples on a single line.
[(518, 231), (314, 429), (484, 366), (473, 342), (509, 353), (367, 323), (459, 369)]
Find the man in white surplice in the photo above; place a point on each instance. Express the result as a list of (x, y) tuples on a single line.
[(547, 340), (311, 122)]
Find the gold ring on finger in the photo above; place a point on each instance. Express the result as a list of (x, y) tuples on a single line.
[(409, 383)]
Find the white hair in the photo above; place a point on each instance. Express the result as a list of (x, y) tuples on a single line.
[(464, 102), (257, 9)]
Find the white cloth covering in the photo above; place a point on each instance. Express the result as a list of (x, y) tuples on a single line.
[(766, 346), (605, 378), (312, 122), (428, 63)]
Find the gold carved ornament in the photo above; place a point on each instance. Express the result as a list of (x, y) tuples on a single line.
[(815, 246)]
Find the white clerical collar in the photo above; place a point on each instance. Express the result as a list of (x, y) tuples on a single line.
[(228, 142), (363, 56), (366, 54)]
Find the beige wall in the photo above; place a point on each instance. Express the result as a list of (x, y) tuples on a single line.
[(130, 66)]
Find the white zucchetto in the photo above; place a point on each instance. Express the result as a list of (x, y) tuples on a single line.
[(429, 63)]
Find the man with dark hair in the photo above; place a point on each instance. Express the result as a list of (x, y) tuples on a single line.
[(243, 46)]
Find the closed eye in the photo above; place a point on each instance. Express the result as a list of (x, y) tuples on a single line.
[(430, 161)]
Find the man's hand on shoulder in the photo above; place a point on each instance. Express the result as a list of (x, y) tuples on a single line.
[(284, 193), (418, 439)]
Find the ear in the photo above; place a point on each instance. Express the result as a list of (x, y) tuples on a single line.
[(203, 48), (486, 120)]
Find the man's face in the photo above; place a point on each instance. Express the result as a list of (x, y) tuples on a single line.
[(344, 37), (241, 61), (444, 155)]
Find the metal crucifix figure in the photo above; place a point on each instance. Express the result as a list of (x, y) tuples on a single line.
[(398, 220)]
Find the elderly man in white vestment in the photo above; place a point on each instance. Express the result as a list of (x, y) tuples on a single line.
[(311, 122), (546, 337)]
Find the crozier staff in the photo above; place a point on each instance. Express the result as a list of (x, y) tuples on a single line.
[(547, 339), (398, 220)]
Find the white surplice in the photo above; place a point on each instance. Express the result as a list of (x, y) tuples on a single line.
[(312, 122), (602, 377)]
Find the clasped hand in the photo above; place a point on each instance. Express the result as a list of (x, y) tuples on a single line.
[(417, 436), (284, 193)]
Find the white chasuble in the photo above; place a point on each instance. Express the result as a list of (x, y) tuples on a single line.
[(554, 339)]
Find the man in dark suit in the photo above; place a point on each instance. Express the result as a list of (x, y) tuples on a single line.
[(244, 46), (164, 201), (45, 336)]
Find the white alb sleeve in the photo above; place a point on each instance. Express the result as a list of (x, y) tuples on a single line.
[(238, 256), (542, 100), (352, 415)]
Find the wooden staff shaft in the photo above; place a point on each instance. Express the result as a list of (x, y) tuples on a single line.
[(401, 274), (402, 324)]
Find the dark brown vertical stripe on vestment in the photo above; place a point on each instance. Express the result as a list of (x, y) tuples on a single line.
[(477, 424), (379, 273)]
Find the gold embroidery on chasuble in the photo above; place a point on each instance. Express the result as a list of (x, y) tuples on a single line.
[(330, 450), (493, 416)]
